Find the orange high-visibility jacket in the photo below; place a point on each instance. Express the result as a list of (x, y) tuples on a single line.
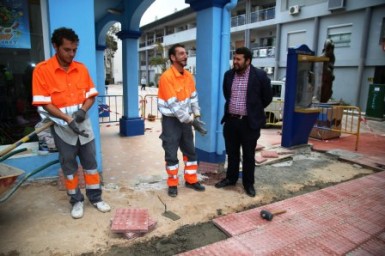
[(67, 90), (177, 95)]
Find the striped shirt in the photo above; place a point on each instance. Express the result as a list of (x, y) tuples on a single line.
[(237, 104)]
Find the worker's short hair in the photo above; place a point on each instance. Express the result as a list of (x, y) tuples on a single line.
[(60, 33), (245, 52), (172, 50)]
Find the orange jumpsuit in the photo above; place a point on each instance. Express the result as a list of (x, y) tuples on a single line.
[(178, 101)]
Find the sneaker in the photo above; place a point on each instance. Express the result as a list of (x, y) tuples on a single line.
[(102, 206), (173, 191), (77, 210), (196, 186)]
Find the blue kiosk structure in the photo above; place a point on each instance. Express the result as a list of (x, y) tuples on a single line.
[(302, 79)]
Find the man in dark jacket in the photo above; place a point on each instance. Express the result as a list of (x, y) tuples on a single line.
[(247, 92)]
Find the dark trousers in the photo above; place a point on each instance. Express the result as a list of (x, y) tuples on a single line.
[(177, 135), (238, 134), (69, 165)]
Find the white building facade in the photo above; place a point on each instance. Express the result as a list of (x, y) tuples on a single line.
[(270, 27)]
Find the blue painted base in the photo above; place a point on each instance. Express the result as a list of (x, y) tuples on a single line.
[(210, 157), (31, 163), (131, 126), (302, 125)]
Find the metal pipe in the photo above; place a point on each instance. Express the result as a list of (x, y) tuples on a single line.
[(364, 46), (13, 190), (224, 62)]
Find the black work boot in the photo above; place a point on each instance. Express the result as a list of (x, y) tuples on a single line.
[(173, 191), (196, 186)]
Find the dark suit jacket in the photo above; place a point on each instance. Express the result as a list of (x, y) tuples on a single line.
[(259, 95)]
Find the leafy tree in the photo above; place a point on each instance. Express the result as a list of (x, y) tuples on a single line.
[(158, 59)]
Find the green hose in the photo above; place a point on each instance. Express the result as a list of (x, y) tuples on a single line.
[(11, 154), (13, 190)]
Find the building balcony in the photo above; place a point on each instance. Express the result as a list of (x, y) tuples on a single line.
[(261, 15), (182, 37), (263, 52)]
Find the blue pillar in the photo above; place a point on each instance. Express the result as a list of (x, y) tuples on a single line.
[(298, 120), (100, 77), (81, 21), (131, 124), (212, 48)]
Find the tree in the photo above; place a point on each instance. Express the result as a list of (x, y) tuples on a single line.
[(158, 61)]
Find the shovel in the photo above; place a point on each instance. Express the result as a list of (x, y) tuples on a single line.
[(168, 214), (25, 138)]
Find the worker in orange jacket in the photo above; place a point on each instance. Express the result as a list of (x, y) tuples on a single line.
[(178, 103), (63, 91)]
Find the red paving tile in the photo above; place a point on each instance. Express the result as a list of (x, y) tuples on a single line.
[(151, 226), (335, 243), (130, 220), (235, 224), (304, 247), (382, 236), (374, 246), (269, 154), (346, 219), (351, 233)]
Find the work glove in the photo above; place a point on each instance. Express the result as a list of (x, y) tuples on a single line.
[(79, 115), (199, 126), (76, 129)]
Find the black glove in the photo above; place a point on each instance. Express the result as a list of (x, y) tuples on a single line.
[(199, 126), (76, 130), (79, 115)]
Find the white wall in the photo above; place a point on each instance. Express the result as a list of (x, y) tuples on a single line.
[(118, 66)]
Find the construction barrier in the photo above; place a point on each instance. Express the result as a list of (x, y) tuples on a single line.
[(108, 108), (334, 120), (274, 113), (150, 107)]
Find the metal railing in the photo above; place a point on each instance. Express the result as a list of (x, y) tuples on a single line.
[(261, 15), (149, 107), (274, 113), (110, 108), (334, 120)]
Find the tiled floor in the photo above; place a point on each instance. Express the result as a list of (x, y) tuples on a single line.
[(348, 218)]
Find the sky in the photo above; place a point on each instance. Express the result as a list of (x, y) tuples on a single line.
[(162, 8)]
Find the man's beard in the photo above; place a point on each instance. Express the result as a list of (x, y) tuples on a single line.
[(240, 69)]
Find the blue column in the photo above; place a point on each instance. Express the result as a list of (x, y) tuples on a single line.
[(297, 121), (100, 77), (81, 21), (131, 124), (212, 50)]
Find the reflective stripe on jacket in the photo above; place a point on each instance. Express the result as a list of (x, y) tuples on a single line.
[(177, 95), (52, 84)]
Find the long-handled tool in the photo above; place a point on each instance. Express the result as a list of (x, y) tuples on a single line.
[(168, 214), (265, 214), (14, 188), (25, 138)]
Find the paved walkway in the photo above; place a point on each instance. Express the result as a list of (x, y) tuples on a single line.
[(348, 218)]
